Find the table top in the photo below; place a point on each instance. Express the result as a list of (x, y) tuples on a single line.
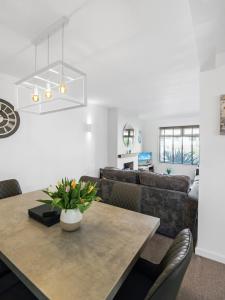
[(90, 263)]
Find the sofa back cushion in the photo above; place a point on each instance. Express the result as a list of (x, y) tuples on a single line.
[(120, 175), (169, 182)]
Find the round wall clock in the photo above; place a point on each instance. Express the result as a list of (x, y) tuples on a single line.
[(9, 119)]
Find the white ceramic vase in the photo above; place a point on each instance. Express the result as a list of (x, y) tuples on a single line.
[(70, 219)]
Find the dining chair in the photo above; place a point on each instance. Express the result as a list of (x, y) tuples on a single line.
[(17, 292), (121, 194), (3, 268), (11, 287), (148, 281), (7, 281), (9, 188)]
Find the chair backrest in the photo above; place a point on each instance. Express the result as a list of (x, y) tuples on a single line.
[(9, 188), (95, 180), (172, 268), (121, 194), (126, 195)]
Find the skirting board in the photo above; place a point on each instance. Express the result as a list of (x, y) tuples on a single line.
[(210, 255)]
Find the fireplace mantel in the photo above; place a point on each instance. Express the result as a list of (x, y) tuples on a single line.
[(127, 155)]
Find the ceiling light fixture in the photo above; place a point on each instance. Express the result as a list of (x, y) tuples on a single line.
[(57, 86), (48, 92)]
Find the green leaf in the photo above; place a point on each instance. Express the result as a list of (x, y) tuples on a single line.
[(58, 203), (45, 191), (45, 201)]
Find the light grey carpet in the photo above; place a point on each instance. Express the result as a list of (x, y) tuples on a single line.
[(204, 279)]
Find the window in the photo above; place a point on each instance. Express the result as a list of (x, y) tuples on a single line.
[(179, 145)]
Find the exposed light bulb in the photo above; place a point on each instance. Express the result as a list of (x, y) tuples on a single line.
[(35, 95), (35, 98), (62, 88), (48, 92)]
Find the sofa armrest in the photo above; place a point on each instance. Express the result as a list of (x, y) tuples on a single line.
[(175, 209), (194, 191)]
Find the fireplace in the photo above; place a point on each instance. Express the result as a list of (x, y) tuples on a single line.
[(128, 165), (127, 161)]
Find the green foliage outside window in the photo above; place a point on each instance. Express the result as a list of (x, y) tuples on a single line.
[(179, 145)]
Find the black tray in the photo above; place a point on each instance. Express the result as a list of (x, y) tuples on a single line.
[(37, 212)]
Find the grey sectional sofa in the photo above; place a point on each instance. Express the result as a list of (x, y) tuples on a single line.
[(171, 198)]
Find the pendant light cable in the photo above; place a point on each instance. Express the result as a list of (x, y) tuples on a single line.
[(35, 95), (48, 91), (48, 50), (62, 85), (35, 58), (62, 48)]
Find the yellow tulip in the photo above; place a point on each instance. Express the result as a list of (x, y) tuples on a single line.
[(73, 184), (90, 189), (59, 183)]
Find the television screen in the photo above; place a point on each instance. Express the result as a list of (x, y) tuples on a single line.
[(144, 158)]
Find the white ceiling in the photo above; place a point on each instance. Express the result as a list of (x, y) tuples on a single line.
[(209, 25), (138, 54)]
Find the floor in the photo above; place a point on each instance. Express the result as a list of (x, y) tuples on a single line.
[(204, 279)]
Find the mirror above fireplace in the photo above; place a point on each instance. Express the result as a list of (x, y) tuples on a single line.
[(128, 135)]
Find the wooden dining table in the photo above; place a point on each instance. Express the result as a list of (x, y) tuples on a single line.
[(88, 264)]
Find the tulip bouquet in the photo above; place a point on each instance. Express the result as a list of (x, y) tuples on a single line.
[(69, 194)]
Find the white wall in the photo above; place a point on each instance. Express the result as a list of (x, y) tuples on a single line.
[(117, 119), (151, 142), (112, 136), (211, 236), (46, 148)]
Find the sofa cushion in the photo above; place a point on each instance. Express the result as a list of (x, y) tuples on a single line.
[(194, 190), (120, 175), (169, 182)]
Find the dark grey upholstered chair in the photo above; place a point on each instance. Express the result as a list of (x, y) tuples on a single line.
[(124, 195), (95, 180), (90, 179), (121, 194), (9, 188), (3, 269), (159, 282), (11, 288)]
